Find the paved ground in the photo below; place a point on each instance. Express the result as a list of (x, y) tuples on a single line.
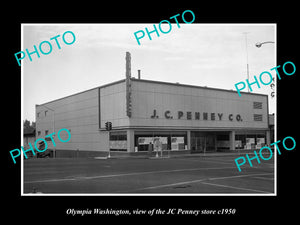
[(182, 175)]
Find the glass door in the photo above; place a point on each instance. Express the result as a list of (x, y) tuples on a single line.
[(198, 144)]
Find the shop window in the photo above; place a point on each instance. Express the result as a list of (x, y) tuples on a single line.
[(222, 137), (223, 142), (260, 141), (250, 141), (118, 137), (177, 143), (167, 140), (240, 141), (118, 141)]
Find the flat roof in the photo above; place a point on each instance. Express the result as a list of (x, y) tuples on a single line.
[(194, 86), (102, 86), (155, 82)]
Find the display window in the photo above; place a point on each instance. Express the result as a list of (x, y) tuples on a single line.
[(161, 141)]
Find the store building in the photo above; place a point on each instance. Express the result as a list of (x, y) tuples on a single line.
[(170, 116)]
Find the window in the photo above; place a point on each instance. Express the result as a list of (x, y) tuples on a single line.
[(38, 114), (46, 112), (170, 140), (250, 141), (118, 137), (257, 117), (257, 105), (118, 141), (39, 133), (46, 132)]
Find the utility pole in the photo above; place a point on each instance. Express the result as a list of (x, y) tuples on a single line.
[(246, 45)]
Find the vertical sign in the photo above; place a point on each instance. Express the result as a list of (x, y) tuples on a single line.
[(99, 107), (128, 85)]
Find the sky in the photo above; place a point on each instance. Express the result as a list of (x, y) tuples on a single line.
[(212, 55)]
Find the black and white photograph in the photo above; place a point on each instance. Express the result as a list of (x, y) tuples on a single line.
[(138, 112), (159, 116)]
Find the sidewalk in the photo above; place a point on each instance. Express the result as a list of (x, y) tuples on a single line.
[(176, 154)]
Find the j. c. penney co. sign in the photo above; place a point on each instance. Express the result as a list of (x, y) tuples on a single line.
[(188, 115)]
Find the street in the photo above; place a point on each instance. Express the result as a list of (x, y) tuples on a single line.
[(180, 175)]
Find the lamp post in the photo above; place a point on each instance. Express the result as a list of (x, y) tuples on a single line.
[(259, 44), (246, 45)]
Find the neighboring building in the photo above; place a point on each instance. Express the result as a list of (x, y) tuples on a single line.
[(182, 117), (272, 127), (28, 137)]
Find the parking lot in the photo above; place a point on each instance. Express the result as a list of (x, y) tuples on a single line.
[(176, 175)]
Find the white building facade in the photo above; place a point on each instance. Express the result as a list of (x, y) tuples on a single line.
[(181, 117)]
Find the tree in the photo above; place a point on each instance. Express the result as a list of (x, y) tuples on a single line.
[(27, 125)]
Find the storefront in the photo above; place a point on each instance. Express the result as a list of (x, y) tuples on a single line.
[(199, 141), (170, 116)]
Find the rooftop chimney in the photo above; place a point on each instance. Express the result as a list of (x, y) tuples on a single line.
[(139, 74)]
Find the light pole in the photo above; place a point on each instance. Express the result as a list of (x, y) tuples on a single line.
[(259, 44), (246, 45)]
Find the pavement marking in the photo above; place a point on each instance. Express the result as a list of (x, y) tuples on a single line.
[(222, 160), (232, 187), (217, 161), (266, 165), (264, 178), (170, 185), (238, 176), (209, 161), (201, 180), (125, 174), (51, 180)]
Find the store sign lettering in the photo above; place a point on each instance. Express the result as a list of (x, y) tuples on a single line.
[(196, 116)]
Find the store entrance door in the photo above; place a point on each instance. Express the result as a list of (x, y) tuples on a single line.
[(198, 144), (203, 142)]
